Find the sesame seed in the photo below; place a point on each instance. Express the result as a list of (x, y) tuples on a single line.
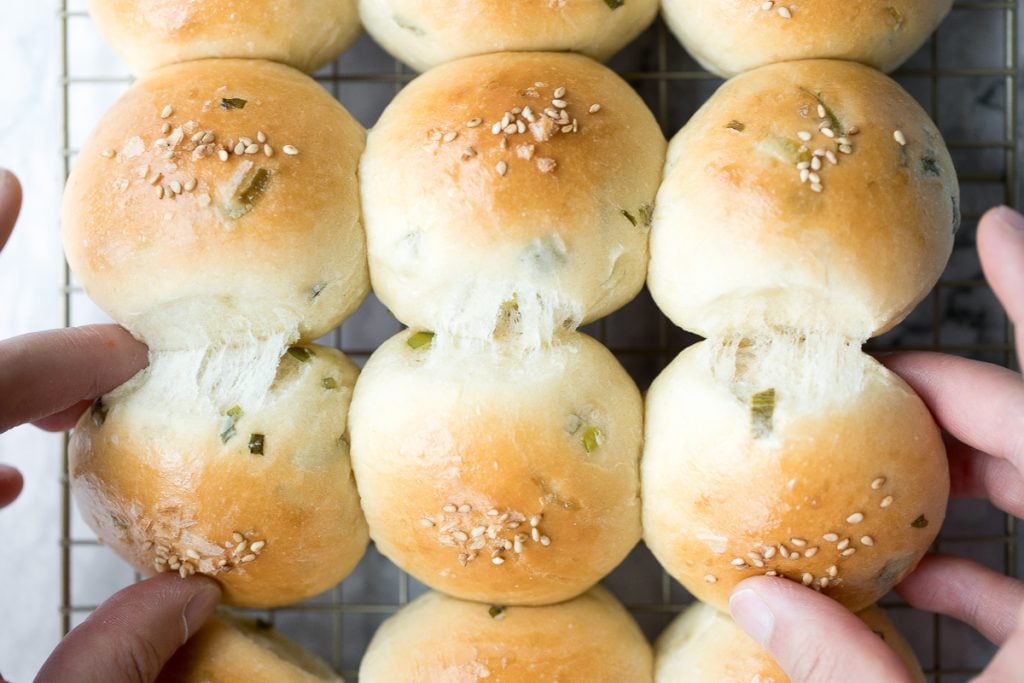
[(290, 150), (450, 135), (545, 541), (240, 149), (785, 13), (843, 140), (594, 108), (821, 111), (190, 184), (878, 483), (208, 138), (240, 548), (739, 562), (806, 579), (147, 545), (824, 581), (449, 508), (504, 142), (160, 192), (855, 518), (852, 130), (222, 155), (804, 175), (804, 135), (803, 165), (798, 542), (843, 544), (155, 178), (252, 149), (831, 537), (473, 123), (182, 571), (517, 546), (534, 521), (848, 552), (816, 187), (867, 540), (559, 93), (899, 137), (886, 502), (816, 164), (501, 168), (460, 536), (815, 178), (767, 5), (166, 128), (710, 578), (769, 552), (828, 132), (771, 572), (535, 534), (845, 149), (464, 508), (520, 127), (559, 104), (175, 187), (811, 552), (492, 513), (107, 153), (497, 560), (167, 111), (819, 152), (832, 571), (248, 558), (546, 165), (754, 556), (192, 554), (832, 158)]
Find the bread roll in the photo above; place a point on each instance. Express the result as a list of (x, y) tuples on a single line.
[(731, 37), (231, 649), (151, 33), (703, 645), (248, 482), (438, 639), (462, 222), (745, 238), (800, 457), (187, 250), (425, 33), (497, 476)]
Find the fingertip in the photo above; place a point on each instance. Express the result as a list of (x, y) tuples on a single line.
[(1003, 218), (752, 613), (201, 605), (10, 203), (11, 485)]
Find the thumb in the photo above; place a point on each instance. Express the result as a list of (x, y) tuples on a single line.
[(812, 637), (130, 637), (1009, 661)]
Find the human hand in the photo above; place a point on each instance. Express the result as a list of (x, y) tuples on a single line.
[(50, 378), (981, 407)]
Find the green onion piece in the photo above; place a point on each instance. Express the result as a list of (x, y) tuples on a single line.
[(573, 424), (319, 287), (833, 118), (252, 192), (301, 353), (329, 383), (930, 165), (233, 102), (762, 408), (99, 412), (420, 340), (920, 523), (496, 611), (736, 126), (615, 4), (231, 418), (785, 150), (629, 217), (256, 444), (897, 17), (592, 439), (646, 214)]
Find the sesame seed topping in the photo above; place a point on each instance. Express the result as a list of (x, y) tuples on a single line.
[(290, 150), (798, 542), (828, 132), (832, 571), (831, 537), (559, 92), (252, 149), (811, 552), (248, 558), (886, 502), (816, 187), (501, 168), (805, 174), (497, 560), (168, 110), (832, 158), (785, 13), (450, 508), (107, 153), (534, 521), (848, 552), (160, 192), (473, 123), (545, 541), (771, 572), (739, 562), (804, 135), (147, 545), (492, 513), (190, 184), (546, 165), (867, 540), (710, 578), (222, 154), (855, 518), (239, 149), (535, 534), (845, 149), (594, 108), (821, 111), (806, 579), (559, 104), (268, 150), (175, 187), (852, 130), (878, 483), (824, 581), (464, 508), (450, 135), (816, 164), (900, 137), (166, 128), (843, 544), (769, 552), (460, 536)]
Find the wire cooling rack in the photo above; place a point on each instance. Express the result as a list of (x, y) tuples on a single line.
[(966, 77)]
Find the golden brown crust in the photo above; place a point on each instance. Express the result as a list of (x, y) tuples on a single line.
[(565, 213), (171, 487), (438, 638), (499, 477), (229, 649), (739, 35), (424, 33), (239, 254), (148, 34), (740, 241), (704, 645), (844, 491)]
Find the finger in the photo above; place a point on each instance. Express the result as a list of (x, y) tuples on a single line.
[(964, 590), (1001, 248), (973, 474), (10, 204), (1009, 661), (47, 372), (65, 419), (980, 404), (130, 637), (11, 483), (812, 637)]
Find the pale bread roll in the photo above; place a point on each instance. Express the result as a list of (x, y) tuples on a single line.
[(731, 36), (801, 457), (425, 33), (249, 481), (743, 241), (463, 222), (703, 645), (499, 476), (439, 639), (147, 34), (186, 250)]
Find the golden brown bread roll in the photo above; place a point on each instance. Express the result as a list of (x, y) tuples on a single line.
[(233, 649), (437, 638), (705, 646), (183, 229), (798, 457), (732, 36), (425, 33), (808, 195), (474, 198), (249, 483), (147, 34), (497, 475)]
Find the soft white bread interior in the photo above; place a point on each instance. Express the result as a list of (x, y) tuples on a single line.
[(437, 638), (182, 228), (147, 34), (521, 180), (809, 195), (247, 480), (234, 649), (703, 645), (497, 475), (792, 456), (425, 33), (731, 37)]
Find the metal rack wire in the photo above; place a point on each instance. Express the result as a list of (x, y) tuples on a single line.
[(644, 341)]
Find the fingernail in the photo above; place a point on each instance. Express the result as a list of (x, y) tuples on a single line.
[(753, 614), (199, 607), (1010, 218)]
